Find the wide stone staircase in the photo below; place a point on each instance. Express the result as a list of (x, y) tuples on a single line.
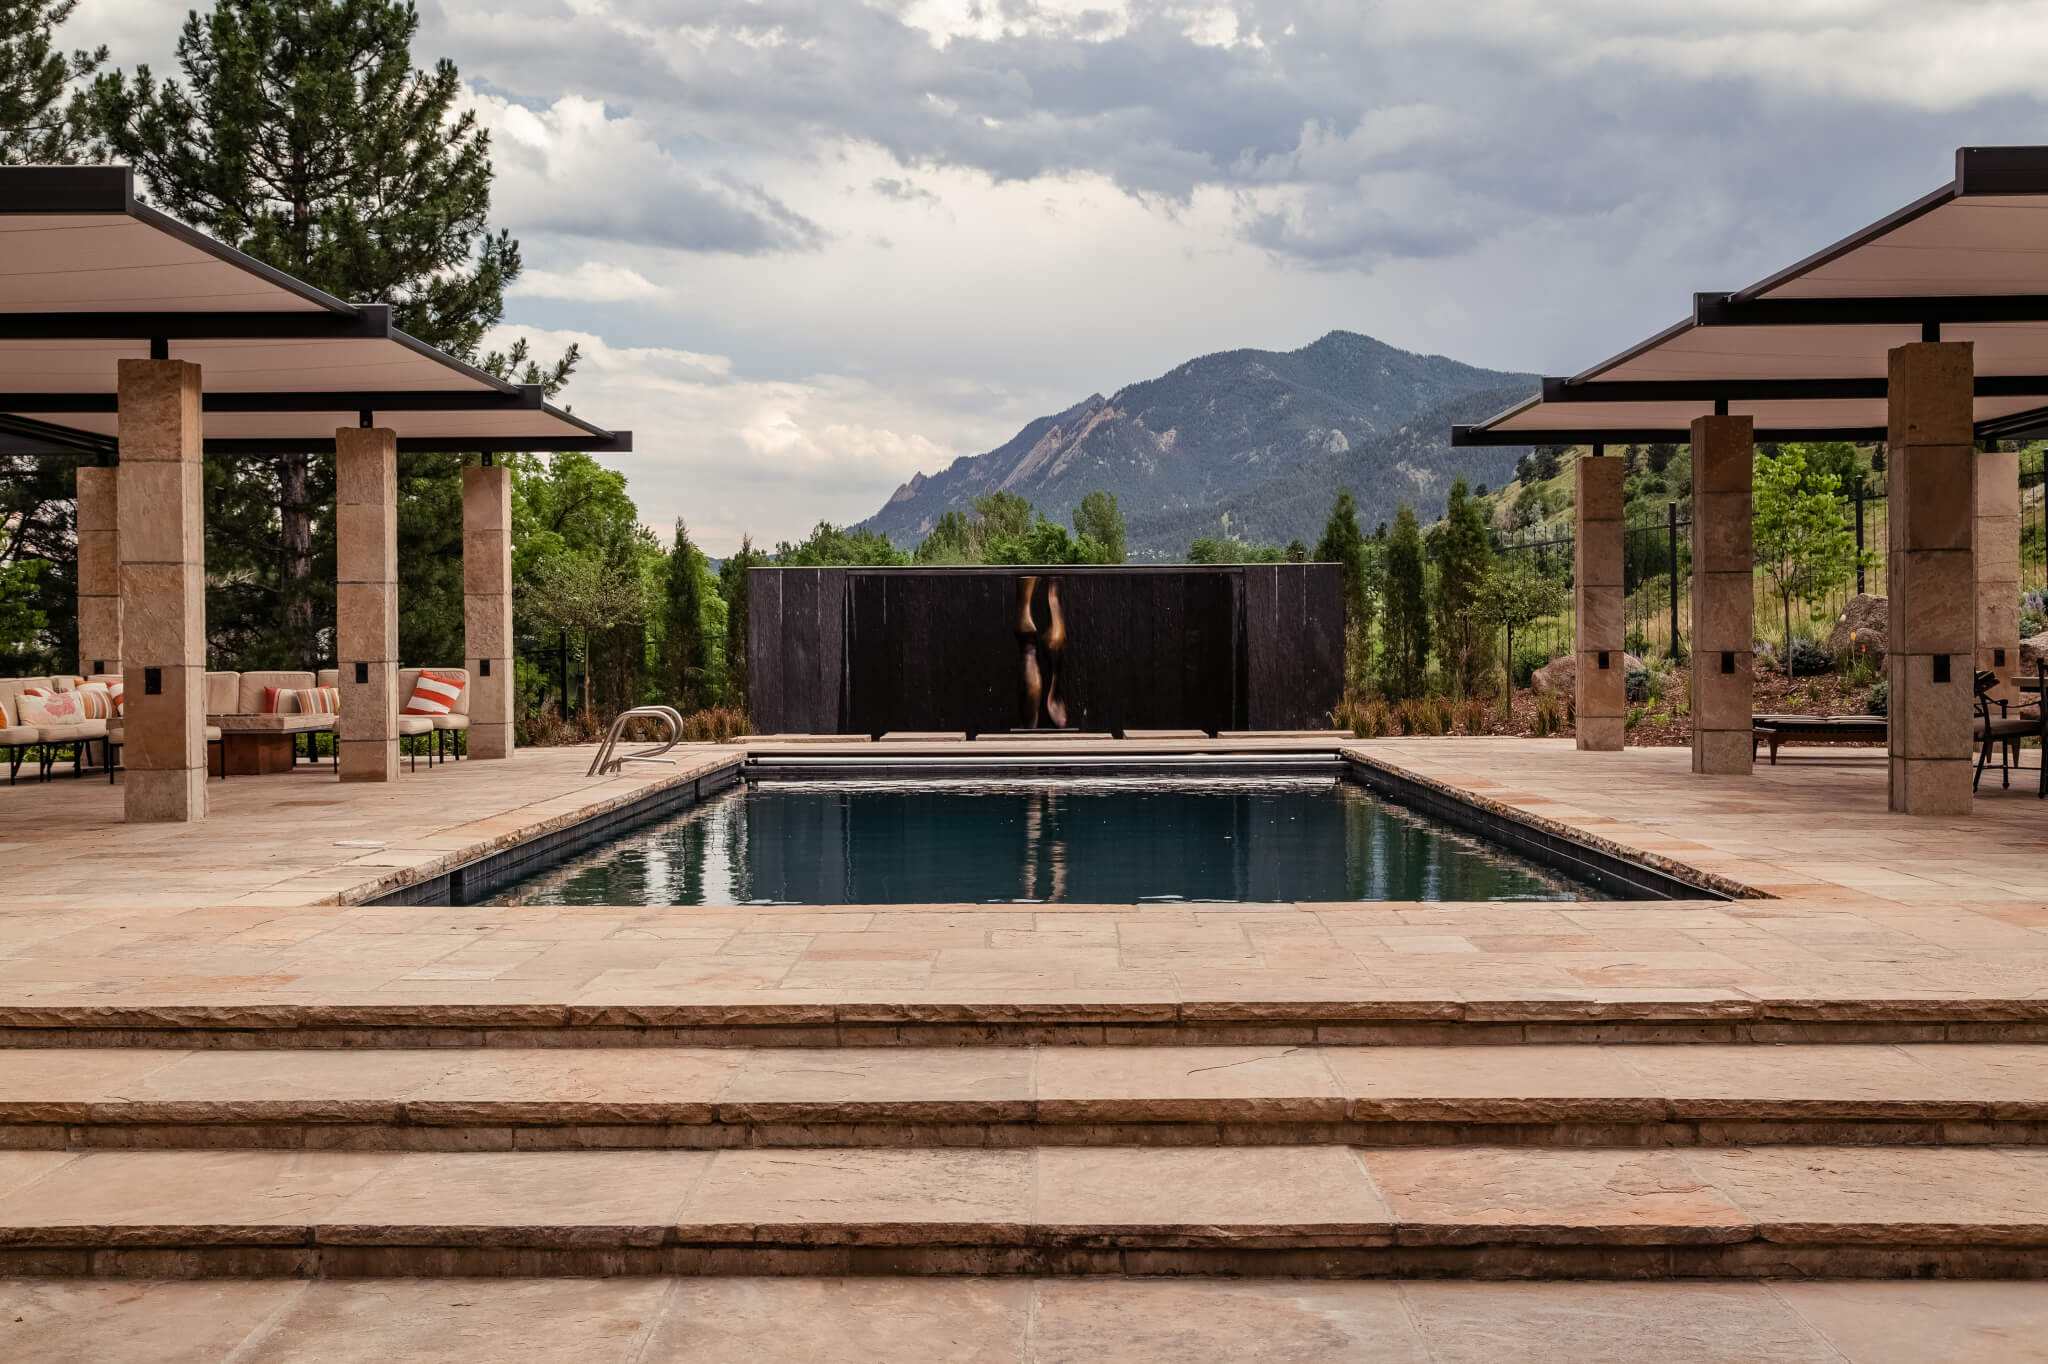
[(460, 1140)]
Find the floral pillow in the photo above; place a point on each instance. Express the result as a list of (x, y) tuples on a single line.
[(41, 708)]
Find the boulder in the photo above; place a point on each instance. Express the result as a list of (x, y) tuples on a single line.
[(1867, 618), (1561, 675), (2032, 649)]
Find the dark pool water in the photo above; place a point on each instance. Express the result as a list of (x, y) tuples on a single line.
[(1109, 841)]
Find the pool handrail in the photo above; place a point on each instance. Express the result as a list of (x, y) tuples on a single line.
[(604, 764)]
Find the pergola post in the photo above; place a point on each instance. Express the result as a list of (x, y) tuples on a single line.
[(1997, 549), (161, 547), (99, 569), (1932, 575), (366, 600), (1723, 594), (487, 606), (1601, 683)]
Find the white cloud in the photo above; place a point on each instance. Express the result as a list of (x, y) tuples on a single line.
[(591, 282)]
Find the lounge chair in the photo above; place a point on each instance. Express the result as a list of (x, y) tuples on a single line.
[(1815, 729), (2007, 730)]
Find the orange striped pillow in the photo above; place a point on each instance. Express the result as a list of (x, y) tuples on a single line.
[(435, 694), (94, 700), (317, 701)]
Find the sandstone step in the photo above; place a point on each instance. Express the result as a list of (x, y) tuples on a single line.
[(1015, 1320), (1312, 1211), (1255, 1012), (552, 1098)]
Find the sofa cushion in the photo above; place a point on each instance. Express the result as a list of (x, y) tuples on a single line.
[(327, 677), (451, 722), (17, 734), (254, 692), (415, 724), (69, 734), (437, 691), (222, 692)]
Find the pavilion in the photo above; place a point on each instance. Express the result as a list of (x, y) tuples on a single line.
[(1927, 329), (129, 337)]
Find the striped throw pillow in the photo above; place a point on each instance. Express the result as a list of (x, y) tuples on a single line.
[(5, 723), (317, 700), (118, 689), (95, 700), (435, 694)]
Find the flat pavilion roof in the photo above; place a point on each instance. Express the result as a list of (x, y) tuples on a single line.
[(1803, 352), (88, 277)]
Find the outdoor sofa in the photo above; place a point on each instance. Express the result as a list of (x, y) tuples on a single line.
[(447, 730), (18, 740)]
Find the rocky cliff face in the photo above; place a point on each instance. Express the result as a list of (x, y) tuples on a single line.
[(1178, 449)]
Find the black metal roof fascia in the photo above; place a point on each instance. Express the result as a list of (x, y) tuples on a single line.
[(607, 443), (524, 397), (1565, 391), (1477, 435), (372, 321), (68, 439)]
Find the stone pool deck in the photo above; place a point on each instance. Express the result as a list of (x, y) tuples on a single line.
[(264, 1079)]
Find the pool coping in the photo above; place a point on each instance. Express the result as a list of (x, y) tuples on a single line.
[(470, 882), (1600, 861)]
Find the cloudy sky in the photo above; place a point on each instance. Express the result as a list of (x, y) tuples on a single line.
[(810, 247)]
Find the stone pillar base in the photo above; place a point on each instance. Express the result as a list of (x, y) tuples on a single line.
[(165, 797), (1723, 595), (1600, 698)]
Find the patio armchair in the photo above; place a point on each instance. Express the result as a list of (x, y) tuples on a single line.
[(2012, 723)]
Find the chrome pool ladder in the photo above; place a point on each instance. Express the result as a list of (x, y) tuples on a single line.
[(604, 764)]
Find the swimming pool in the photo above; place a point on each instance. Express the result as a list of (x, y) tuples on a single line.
[(1044, 840)]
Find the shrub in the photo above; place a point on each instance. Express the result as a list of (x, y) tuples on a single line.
[(1365, 719), (1548, 716), (1637, 682), (714, 726), (1528, 658), (1634, 717), (1880, 697), (1425, 715), (1807, 659), (1475, 718), (1446, 714)]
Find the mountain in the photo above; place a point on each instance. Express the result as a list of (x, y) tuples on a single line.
[(1264, 436)]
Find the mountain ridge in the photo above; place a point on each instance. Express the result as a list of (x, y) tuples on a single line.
[(1232, 432)]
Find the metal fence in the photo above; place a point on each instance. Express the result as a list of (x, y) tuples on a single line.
[(1657, 567)]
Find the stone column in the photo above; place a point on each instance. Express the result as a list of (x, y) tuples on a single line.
[(1602, 680), (1997, 547), (1723, 594), (487, 607), (366, 600), (161, 546), (1931, 576), (99, 570)]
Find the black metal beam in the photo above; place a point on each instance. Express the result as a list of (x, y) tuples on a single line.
[(1764, 390), (1475, 435), (525, 398), (605, 443), (1729, 310), (371, 321)]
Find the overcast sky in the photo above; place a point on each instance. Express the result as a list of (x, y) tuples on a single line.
[(811, 248)]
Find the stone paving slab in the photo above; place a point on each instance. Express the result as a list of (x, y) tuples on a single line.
[(297, 838), (794, 1096), (1019, 1321), (1806, 1210)]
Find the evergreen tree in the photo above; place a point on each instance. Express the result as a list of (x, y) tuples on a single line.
[(1341, 544), (1098, 518), (1463, 560), (1406, 627), (732, 585), (43, 122), (304, 135), (685, 671)]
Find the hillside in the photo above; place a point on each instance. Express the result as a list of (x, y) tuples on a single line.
[(1238, 430)]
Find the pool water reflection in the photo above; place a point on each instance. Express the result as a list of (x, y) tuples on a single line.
[(1083, 841)]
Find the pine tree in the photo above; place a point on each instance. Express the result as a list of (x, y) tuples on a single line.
[(42, 120), (303, 135), (1406, 628), (1099, 519), (1463, 559), (732, 585), (685, 670), (1341, 544)]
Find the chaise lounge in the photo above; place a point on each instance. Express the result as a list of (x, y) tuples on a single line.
[(1815, 729)]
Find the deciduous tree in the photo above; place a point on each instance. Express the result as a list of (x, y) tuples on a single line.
[(1802, 538)]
